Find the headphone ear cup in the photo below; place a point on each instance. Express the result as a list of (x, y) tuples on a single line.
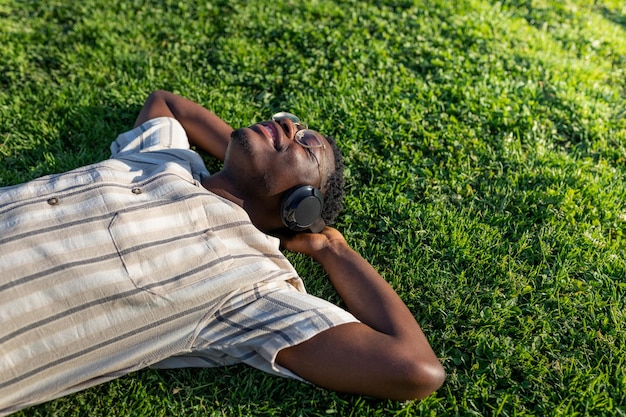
[(301, 208)]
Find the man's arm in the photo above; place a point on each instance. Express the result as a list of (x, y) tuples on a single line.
[(204, 129), (386, 355)]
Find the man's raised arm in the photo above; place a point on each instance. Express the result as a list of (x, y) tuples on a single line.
[(204, 129), (386, 355)]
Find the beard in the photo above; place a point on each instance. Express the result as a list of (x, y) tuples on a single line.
[(243, 140), (253, 183)]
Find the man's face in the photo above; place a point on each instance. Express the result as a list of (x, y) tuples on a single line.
[(265, 160)]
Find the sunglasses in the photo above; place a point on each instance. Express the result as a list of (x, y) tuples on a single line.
[(306, 138)]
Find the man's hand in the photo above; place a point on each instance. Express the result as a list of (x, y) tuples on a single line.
[(314, 244)]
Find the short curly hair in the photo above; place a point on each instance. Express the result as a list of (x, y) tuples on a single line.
[(333, 187)]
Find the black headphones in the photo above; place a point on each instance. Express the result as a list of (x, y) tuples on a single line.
[(301, 209)]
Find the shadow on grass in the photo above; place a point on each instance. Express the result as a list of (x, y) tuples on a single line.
[(72, 143), (561, 121), (62, 140), (232, 390), (614, 17)]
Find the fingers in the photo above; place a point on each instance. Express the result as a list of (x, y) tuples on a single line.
[(301, 243), (306, 243), (312, 244)]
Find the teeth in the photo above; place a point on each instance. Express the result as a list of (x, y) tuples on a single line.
[(269, 130)]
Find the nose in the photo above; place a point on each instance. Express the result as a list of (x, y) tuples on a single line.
[(288, 127)]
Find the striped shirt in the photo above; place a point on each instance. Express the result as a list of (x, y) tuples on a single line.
[(130, 262)]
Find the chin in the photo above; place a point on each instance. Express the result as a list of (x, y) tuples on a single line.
[(241, 137)]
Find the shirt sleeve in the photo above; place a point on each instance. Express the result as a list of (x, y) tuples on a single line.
[(255, 324), (161, 139), (155, 134)]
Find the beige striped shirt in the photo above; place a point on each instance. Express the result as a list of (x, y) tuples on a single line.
[(118, 265)]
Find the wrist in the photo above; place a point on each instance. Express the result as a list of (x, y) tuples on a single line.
[(332, 250)]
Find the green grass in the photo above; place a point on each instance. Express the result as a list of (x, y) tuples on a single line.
[(486, 150)]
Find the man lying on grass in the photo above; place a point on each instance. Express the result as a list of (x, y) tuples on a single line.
[(147, 260)]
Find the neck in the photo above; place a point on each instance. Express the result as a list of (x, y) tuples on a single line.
[(263, 214), (219, 184)]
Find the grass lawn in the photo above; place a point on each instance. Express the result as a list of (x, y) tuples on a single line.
[(486, 150)]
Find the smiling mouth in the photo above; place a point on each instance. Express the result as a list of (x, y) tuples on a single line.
[(272, 132), (269, 130)]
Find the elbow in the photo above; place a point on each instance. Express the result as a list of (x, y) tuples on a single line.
[(427, 378), (419, 377)]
